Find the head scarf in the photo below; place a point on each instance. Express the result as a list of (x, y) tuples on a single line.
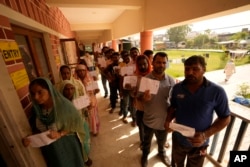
[(88, 78), (137, 68), (78, 84), (66, 116), (64, 83)]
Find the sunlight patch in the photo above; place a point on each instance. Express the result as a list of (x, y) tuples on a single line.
[(122, 137), (117, 126)]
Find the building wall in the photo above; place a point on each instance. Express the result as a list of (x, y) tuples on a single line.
[(14, 97), (37, 10)]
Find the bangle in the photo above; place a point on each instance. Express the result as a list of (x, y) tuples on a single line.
[(203, 135)]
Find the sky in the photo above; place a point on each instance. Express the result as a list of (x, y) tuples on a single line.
[(230, 23)]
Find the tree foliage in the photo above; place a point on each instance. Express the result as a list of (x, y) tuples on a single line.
[(201, 40), (240, 35), (178, 34)]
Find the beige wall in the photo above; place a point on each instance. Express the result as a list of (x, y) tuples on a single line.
[(165, 13), (130, 22), (171, 13)]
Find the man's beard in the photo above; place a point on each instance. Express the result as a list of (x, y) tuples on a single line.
[(191, 79)]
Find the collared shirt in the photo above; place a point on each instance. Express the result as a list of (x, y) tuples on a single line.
[(197, 109), (155, 110)]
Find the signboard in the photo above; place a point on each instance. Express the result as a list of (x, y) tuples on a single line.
[(9, 51), (20, 78)]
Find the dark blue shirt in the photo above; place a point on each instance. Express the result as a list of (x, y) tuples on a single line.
[(197, 109)]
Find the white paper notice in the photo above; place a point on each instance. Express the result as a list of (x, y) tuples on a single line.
[(92, 86), (149, 84), (184, 130), (102, 61), (41, 139), (132, 80), (81, 102), (127, 70)]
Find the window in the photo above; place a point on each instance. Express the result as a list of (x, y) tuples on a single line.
[(33, 51)]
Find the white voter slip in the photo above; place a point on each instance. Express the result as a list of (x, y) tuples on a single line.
[(40, 139), (184, 130)]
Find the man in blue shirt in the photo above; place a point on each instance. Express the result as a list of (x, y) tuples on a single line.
[(193, 103)]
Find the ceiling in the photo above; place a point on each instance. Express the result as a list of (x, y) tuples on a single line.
[(89, 19)]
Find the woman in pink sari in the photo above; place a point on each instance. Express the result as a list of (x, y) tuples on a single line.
[(91, 89)]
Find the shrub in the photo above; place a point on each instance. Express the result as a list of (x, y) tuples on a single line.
[(244, 90)]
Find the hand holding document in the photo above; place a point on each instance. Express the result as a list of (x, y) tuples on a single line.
[(184, 130), (127, 70), (131, 80), (92, 86), (81, 102), (41, 139), (149, 84)]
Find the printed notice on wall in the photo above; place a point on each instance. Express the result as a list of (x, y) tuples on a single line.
[(9, 51), (20, 78)]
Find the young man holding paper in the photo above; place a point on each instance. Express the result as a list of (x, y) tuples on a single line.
[(155, 109), (193, 103)]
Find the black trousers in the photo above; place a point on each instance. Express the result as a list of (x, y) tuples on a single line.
[(140, 124), (114, 88), (161, 137)]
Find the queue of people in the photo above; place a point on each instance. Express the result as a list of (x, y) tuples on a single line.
[(191, 102)]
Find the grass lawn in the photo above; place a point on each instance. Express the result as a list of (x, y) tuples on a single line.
[(215, 61)]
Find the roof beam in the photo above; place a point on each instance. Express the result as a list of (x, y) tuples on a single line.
[(128, 4), (79, 27)]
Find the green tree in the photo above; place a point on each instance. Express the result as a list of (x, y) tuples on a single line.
[(189, 44), (178, 34), (200, 40), (239, 35)]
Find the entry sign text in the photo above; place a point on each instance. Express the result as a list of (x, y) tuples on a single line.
[(239, 158)]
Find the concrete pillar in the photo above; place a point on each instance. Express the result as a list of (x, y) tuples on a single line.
[(115, 45), (146, 38)]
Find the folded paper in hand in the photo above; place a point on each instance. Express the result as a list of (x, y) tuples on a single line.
[(41, 139), (92, 86), (149, 84), (131, 80), (127, 70), (81, 102), (184, 130)]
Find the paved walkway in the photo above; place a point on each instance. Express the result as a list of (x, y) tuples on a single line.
[(118, 144)]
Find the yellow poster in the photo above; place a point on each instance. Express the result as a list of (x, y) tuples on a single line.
[(9, 51), (20, 78)]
